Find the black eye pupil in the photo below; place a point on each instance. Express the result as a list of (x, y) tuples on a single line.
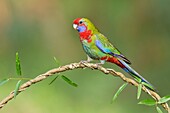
[(80, 22)]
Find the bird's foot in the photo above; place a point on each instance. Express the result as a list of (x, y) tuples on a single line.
[(87, 61)]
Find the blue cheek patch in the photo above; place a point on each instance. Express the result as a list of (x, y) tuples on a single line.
[(81, 28)]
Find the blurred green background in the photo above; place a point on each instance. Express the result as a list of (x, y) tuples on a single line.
[(42, 29)]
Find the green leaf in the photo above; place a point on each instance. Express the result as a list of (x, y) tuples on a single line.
[(18, 66), (53, 80), (57, 61), (138, 79), (148, 102), (148, 85), (139, 91), (158, 110), (119, 91), (16, 88), (69, 81), (164, 99), (3, 81)]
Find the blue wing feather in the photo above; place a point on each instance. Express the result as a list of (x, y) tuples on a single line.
[(108, 51), (101, 47)]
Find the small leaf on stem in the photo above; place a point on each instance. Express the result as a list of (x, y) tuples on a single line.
[(148, 102), (16, 88), (164, 99), (53, 80), (139, 91), (119, 91), (57, 61), (158, 110), (69, 81), (2, 82), (18, 65), (148, 85)]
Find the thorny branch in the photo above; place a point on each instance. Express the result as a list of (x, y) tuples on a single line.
[(72, 66)]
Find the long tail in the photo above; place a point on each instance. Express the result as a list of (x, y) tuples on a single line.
[(136, 75), (129, 70)]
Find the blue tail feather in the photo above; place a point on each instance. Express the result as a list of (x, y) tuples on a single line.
[(134, 74)]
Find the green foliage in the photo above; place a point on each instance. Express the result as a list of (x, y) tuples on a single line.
[(53, 80), (18, 65), (144, 83), (2, 82), (18, 70), (69, 81), (151, 102), (137, 79), (158, 110), (16, 88), (119, 91), (148, 85), (164, 99), (148, 102), (57, 61), (139, 91)]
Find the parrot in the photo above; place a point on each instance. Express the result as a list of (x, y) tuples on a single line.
[(98, 47)]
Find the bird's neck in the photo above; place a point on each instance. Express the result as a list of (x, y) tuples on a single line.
[(86, 35)]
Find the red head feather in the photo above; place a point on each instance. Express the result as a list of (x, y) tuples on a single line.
[(76, 21)]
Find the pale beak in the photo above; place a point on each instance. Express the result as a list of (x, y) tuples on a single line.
[(75, 26)]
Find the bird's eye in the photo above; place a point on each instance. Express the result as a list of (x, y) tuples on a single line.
[(80, 22)]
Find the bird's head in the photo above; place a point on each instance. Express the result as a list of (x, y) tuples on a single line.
[(83, 25)]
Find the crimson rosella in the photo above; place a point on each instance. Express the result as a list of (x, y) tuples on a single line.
[(98, 47)]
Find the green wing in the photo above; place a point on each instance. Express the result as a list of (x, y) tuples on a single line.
[(105, 46)]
